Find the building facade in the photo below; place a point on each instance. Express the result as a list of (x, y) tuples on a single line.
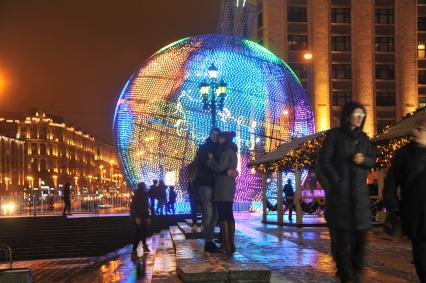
[(54, 152), (371, 51), (12, 169), (108, 175)]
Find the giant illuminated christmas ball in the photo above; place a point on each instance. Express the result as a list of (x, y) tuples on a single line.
[(160, 121)]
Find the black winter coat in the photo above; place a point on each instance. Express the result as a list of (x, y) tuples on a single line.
[(204, 175), (347, 198), (408, 171), (139, 207)]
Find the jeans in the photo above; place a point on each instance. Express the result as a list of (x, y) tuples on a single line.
[(209, 212), (194, 201)]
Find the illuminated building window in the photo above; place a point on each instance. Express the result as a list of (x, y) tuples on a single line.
[(421, 77), (340, 15), (421, 23), (385, 71), (341, 71), (385, 16), (43, 167), (33, 148), (385, 98), (422, 101), (421, 53), (43, 149), (385, 44), (341, 43), (297, 42), (296, 14), (340, 98)]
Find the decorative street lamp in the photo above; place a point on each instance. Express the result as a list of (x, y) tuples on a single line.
[(213, 93), (308, 59)]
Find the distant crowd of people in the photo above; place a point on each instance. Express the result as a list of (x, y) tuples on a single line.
[(165, 200)]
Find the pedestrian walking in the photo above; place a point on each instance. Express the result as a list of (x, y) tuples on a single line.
[(224, 189), (140, 217), (67, 198), (408, 172), (172, 200), (204, 181), (153, 193), (345, 158)]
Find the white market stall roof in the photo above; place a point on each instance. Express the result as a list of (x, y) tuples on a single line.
[(402, 127), (278, 153)]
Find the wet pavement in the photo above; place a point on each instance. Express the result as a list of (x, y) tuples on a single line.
[(293, 254)]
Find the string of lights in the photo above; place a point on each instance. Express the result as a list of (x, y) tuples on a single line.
[(159, 120)]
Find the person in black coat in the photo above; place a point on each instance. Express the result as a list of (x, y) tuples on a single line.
[(140, 217), (408, 171), (67, 198), (172, 200), (289, 197), (345, 158)]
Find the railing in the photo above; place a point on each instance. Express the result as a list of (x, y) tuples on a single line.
[(313, 202), (8, 256), (32, 204)]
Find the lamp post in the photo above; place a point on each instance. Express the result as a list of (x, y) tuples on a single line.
[(308, 58), (213, 93)]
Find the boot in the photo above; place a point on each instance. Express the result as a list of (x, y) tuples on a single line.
[(232, 236), (225, 228), (211, 247), (145, 248)]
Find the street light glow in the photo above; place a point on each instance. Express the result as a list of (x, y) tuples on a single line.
[(308, 56), (213, 72)]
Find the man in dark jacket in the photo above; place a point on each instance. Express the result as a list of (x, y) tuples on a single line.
[(289, 197), (205, 184), (140, 217), (408, 171), (67, 198), (345, 158)]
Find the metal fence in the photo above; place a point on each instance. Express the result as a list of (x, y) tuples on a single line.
[(34, 204)]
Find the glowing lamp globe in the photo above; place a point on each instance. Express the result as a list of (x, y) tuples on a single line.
[(159, 120)]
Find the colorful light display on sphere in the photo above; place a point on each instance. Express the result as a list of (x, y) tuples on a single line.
[(159, 120)]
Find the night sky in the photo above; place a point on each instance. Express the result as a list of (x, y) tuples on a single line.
[(73, 57)]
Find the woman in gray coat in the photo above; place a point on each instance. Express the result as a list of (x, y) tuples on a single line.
[(224, 187)]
